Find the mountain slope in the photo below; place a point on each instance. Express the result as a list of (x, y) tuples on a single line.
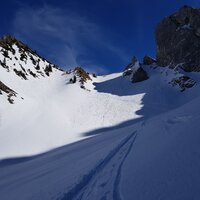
[(138, 130), (56, 107), (134, 162), (53, 112), (49, 110)]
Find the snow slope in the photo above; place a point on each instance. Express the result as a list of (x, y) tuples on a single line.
[(111, 139), (133, 162), (54, 112), (49, 111)]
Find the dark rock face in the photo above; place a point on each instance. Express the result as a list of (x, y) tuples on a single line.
[(129, 68), (6, 89), (147, 60), (178, 40), (82, 74), (135, 71), (139, 75)]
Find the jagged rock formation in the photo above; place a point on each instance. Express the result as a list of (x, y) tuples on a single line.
[(17, 59), (178, 39), (139, 75), (10, 93), (84, 76), (147, 60), (81, 76), (8, 41), (128, 69), (135, 71)]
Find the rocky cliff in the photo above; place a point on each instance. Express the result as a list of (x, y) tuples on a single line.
[(178, 39)]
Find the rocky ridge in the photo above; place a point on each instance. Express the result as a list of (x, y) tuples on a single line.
[(19, 59)]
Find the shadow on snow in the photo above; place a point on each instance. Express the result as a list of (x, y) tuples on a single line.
[(156, 100)]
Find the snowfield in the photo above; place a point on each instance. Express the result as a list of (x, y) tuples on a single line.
[(112, 140), (133, 162), (53, 113), (50, 112)]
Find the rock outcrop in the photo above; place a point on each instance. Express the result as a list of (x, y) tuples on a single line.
[(183, 82), (178, 40), (82, 74), (129, 68), (10, 92), (139, 75), (135, 71), (147, 60)]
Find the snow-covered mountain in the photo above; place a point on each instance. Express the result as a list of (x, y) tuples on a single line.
[(74, 135), (49, 107)]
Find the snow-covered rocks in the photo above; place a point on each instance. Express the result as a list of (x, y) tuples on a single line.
[(19, 58), (59, 107), (135, 71), (10, 93), (19, 63), (183, 82)]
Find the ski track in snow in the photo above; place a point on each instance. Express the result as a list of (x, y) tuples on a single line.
[(102, 182)]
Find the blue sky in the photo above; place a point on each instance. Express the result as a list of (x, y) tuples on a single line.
[(100, 36)]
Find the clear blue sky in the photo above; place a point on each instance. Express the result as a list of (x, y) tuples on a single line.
[(101, 36)]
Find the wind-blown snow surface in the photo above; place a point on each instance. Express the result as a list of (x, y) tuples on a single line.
[(143, 137), (49, 111), (156, 158)]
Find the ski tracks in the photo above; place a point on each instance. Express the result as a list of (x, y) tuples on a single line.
[(102, 182)]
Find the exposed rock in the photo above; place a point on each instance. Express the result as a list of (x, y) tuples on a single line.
[(73, 80), (178, 39), (8, 41), (5, 88), (32, 73), (139, 75), (20, 73), (147, 60), (183, 82), (48, 70), (82, 74), (3, 64), (10, 92), (94, 75), (135, 71), (129, 68)]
